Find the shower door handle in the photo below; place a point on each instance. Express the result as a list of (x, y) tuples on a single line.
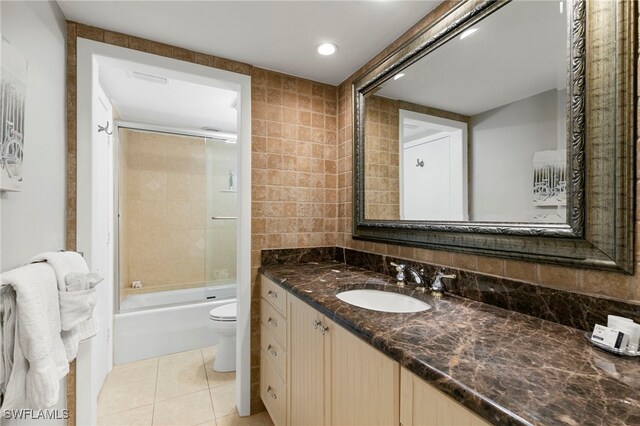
[(224, 217)]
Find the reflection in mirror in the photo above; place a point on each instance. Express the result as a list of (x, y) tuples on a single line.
[(475, 130)]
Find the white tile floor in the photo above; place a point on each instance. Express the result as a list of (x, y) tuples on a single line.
[(180, 389)]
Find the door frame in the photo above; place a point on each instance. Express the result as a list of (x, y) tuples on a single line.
[(90, 54)]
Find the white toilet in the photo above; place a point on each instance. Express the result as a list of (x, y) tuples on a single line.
[(222, 320)]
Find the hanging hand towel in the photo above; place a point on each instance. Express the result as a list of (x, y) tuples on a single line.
[(39, 357), (76, 307), (8, 329)]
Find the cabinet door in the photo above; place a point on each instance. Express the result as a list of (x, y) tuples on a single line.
[(365, 383), (422, 404), (306, 365)]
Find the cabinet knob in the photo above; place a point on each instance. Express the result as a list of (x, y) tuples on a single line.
[(324, 330), (271, 351), (272, 322), (272, 294), (271, 393), (316, 323)]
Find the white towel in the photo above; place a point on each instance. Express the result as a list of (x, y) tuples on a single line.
[(63, 263), (8, 331), (39, 358), (76, 307)]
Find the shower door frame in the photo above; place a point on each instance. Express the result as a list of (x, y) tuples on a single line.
[(152, 128)]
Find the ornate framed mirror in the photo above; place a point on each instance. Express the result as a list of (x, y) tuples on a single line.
[(504, 128)]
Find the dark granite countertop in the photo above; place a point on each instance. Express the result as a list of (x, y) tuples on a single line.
[(508, 367)]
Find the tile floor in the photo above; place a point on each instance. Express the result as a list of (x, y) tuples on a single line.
[(179, 389)]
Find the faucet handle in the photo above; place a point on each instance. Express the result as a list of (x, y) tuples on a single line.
[(400, 276), (399, 267), (451, 276), (441, 274), (438, 288)]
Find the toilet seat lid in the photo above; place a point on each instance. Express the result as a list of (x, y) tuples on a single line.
[(226, 312)]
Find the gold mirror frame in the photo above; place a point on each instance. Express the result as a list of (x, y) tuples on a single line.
[(601, 119)]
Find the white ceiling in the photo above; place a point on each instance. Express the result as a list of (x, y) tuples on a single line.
[(176, 104), (277, 35), (517, 52)]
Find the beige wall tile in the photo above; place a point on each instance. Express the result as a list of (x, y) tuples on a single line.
[(519, 270), (491, 266), (559, 277), (618, 286), (165, 218)]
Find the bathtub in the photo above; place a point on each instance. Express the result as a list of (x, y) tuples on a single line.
[(156, 324)]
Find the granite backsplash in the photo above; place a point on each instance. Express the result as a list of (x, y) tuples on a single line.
[(577, 310)]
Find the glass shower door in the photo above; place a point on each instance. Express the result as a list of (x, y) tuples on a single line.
[(222, 213)]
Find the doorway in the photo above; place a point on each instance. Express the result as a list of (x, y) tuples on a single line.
[(95, 188)]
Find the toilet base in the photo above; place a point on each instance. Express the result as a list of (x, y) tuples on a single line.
[(225, 360)]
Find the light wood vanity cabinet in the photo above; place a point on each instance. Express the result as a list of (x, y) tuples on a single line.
[(422, 404), (315, 372), (273, 350), (336, 378), (307, 366), (365, 383)]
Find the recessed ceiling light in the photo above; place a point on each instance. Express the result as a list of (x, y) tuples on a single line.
[(467, 33), (326, 49), (398, 76)]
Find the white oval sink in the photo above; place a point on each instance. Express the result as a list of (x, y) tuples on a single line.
[(383, 301)]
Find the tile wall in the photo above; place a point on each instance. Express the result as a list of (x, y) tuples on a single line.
[(294, 174), (163, 204), (382, 185)]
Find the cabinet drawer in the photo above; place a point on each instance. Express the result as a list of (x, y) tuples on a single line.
[(274, 322), (273, 391), (273, 350), (274, 294)]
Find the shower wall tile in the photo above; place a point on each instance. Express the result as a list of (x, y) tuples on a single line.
[(163, 222)]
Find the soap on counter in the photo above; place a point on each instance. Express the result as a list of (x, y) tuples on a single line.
[(610, 337)]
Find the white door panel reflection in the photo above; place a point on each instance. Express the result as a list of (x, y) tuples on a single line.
[(433, 168)]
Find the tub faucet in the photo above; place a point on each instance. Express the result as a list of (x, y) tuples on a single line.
[(402, 271)]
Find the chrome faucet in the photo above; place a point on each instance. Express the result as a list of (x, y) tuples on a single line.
[(402, 271), (437, 288), (407, 274)]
